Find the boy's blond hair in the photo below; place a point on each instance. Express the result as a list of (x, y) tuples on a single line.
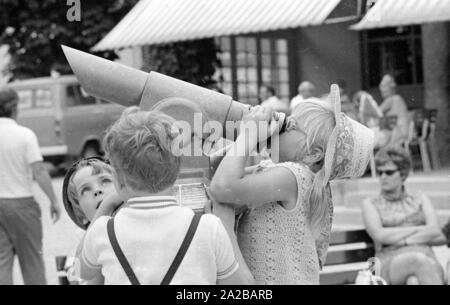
[(139, 147)]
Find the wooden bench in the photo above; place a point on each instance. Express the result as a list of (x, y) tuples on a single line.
[(346, 248)]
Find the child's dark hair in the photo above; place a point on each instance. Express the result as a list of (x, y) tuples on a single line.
[(70, 196)]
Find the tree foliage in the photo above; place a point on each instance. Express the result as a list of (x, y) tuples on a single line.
[(35, 29), (193, 61)]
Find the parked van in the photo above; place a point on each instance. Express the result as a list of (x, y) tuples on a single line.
[(68, 123)]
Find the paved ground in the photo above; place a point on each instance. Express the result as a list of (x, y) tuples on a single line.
[(62, 238)]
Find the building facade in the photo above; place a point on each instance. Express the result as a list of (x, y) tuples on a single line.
[(284, 43), (324, 55)]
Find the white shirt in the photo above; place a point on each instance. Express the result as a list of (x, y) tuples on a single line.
[(296, 101), (19, 149), (150, 232), (276, 104)]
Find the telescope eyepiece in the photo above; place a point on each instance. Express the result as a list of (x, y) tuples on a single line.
[(281, 118)]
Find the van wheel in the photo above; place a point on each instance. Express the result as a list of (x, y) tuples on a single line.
[(90, 151)]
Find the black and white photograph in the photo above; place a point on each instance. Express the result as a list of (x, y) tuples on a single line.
[(249, 144)]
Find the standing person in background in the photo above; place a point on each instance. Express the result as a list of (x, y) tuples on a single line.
[(20, 215), (394, 106), (348, 107), (306, 90), (268, 98)]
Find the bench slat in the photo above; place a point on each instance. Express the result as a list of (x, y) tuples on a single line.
[(350, 237), (339, 278), (349, 256)]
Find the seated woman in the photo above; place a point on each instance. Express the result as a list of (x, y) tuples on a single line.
[(402, 225)]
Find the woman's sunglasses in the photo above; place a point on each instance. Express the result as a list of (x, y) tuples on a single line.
[(387, 172)]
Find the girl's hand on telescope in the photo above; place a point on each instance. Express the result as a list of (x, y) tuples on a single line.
[(258, 124)]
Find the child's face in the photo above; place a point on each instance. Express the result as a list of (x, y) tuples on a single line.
[(92, 189), (292, 143)]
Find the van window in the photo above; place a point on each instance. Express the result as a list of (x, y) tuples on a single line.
[(43, 98), (78, 97), (35, 98), (25, 99)]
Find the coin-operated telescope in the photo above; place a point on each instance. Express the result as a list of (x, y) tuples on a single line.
[(126, 86)]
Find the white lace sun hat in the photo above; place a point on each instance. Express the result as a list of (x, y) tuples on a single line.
[(350, 146)]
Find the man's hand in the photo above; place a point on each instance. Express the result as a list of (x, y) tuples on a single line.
[(42, 177), (55, 212)]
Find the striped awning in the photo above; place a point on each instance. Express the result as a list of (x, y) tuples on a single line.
[(390, 13), (163, 21)]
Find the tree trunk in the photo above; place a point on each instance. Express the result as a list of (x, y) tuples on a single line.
[(436, 61)]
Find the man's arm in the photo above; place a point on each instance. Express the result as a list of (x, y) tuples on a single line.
[(42, 177)]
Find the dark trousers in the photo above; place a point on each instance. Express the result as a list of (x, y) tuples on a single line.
[(21, 235)]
